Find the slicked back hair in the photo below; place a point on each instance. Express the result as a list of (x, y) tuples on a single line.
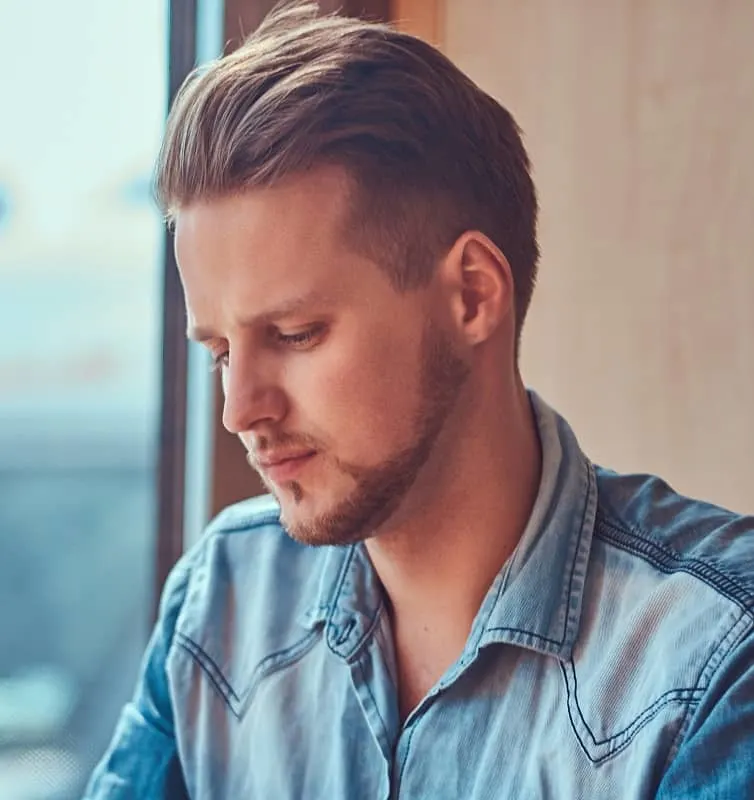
[(428, 154)]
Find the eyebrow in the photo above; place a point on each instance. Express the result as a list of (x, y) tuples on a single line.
[(198, 333)]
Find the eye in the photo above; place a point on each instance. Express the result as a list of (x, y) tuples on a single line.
[(301, 339)]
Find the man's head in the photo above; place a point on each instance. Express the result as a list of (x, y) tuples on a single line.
[(354, 219)]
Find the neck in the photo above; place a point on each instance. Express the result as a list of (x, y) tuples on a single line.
[(437, 563)]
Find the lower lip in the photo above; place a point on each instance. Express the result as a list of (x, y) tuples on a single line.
[(287, 470)]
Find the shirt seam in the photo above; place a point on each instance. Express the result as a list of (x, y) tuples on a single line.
[(365, 683), (669, 561), (706, 676), (683, 695), (268, 666)]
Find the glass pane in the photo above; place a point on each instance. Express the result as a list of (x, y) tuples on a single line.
[(83, 101)]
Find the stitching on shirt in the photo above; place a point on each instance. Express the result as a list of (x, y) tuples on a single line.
[(627, 741), (689, 696), (566, 616), (367, 634), (336, 593), (389, 661), (732, 638), (277, 661), (213, 672), (343, 573), (690, 566), (408, 748), (365, 683), (500, 589), (668, 561), (528, 633), (268, 666), (587, 495), (346, 631), (344, 634), (683, 726), (672, 694)]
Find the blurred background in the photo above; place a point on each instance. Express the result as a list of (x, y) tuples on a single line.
[(83, 92), (639, 119)]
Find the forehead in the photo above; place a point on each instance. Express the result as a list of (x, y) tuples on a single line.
[(297, 214), (262, 241), (244, 258)]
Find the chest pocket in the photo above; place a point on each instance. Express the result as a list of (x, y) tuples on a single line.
[(644, 659), (607, 722)]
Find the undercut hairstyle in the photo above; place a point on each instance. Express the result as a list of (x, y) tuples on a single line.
[(428, 154)]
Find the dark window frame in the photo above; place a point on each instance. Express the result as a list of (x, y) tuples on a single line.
[(171, 467)]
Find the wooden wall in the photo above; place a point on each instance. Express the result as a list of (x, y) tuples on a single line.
[(639, 117)]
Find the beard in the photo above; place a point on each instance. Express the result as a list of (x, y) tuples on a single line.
[(380, 490)]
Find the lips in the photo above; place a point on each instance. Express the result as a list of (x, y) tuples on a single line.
[(285, 467)]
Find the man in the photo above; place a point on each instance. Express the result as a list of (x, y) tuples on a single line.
[(442, 597)]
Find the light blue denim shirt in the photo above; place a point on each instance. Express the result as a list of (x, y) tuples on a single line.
[(612, 657)]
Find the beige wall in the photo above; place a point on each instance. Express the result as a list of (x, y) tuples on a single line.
[(639, 117)]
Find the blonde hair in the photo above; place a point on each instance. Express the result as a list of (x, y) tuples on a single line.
[(428, 153)]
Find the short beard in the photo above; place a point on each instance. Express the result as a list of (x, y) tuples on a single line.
[(380, 490)]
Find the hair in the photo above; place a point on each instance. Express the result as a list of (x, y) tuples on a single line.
[(428, 154)]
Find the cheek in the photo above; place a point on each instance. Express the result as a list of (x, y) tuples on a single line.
[(361, 397)]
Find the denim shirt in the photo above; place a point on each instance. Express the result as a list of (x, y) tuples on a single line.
[(613, 657)]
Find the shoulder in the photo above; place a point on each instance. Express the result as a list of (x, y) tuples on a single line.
[(643, 516), (670, 581), (246, 552), (667, 614), (244, 541), (249, 588), (255, 516)]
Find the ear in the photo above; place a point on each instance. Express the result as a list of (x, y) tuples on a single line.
[(480, 282)]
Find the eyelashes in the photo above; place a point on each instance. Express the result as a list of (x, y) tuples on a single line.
[(302, 340)]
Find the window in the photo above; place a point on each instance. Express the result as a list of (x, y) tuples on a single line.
[(83, 91)]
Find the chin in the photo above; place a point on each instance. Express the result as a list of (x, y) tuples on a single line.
[(338, 523), (314, 531), (317, 524), (301, 516)]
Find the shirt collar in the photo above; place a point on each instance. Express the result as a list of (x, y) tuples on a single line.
[(349, 599), (535, 600)]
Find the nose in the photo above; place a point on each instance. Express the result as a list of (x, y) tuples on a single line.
[(252, 395)]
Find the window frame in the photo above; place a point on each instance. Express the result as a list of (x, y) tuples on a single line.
[(171, 466)]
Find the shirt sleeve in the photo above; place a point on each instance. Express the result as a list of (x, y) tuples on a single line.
[(716, 757), (142, 760)]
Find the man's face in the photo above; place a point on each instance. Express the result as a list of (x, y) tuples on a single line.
[(337, 385)]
